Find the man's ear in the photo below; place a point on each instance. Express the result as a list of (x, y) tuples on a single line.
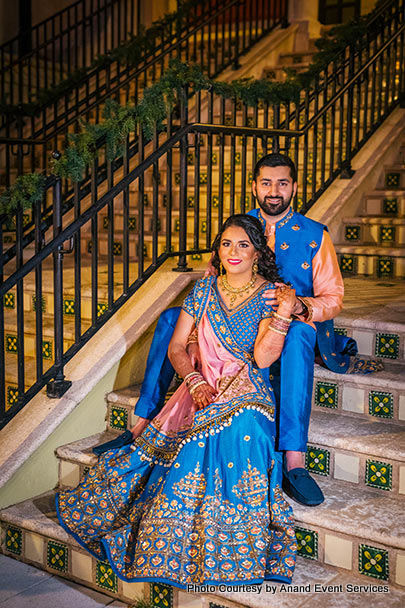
[(295, 185), (254, 187)]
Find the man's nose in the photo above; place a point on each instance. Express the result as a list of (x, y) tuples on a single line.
[(273, 189)]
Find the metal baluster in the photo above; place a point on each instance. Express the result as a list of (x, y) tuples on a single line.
[(94, 246), (38, 293), (77, 268), (141, 225), (221, 165), (57, 387), (209, 175), (125, 194), (233, 162), (169, 191), (110, 248), (2, 344), (155, 199), (182, 263)]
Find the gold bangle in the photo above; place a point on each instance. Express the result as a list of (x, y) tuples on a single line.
[(193, 388), (282, 333), (287, 319)]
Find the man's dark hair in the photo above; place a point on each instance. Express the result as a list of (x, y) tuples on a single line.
[(275, 160), (253, 228)]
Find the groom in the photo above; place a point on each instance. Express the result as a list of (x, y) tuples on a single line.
[(307, 260)]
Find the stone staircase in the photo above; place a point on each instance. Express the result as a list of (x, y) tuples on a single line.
[(356, 451)]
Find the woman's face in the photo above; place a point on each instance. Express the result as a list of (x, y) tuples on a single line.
[(236, 251)]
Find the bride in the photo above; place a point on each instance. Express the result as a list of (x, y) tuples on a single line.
[(196, 497)]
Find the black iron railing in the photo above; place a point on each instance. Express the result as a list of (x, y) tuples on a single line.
[(170, 205), (213, 36), (65, 42)]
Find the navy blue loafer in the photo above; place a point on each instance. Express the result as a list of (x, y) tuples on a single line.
[(299, 485), (119, 442)]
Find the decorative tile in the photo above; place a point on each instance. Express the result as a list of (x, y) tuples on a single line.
[(381, 404), (106, 222), (164, 200), (190, 202), (161, 595), (9, 300), (26, 219), (146, 200), (68, 307), (373, 562), (177, 225), (250, 178), (338, 551), (317, 460), (47, 349), (387, 234), (215, 202), (203, 178), (12, 396), (177, 178), (101, 308), (378, 475), (190, 158), (203, 226), (300, 203), (14, 540), (214, 158), (117, 248), (11, 343), (89, 247), (196, 256), (385, 267), (390, 206), (119, 418), (352, 233), (34, 303), (237, 157), (105, 577), (326, 394), (387, 346), (57, 556), (346, 467), (347, 263), (250, 121), (340, 331), (132, 223), (218, 140), (227, 177), (228, 120), (392, 180), (307, 541)]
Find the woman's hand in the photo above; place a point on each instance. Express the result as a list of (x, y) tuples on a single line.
[(203, 395), (286, 299), (139, 427)]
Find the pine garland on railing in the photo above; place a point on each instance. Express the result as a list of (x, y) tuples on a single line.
[(26, 190)]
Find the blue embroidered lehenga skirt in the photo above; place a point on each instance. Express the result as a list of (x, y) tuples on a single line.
[(201, 504)]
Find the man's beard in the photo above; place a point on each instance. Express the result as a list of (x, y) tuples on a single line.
[(274, 208)]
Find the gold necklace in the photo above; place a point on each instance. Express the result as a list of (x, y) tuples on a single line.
[(234, 292)]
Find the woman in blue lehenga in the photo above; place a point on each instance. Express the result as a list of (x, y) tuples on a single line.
[(196, 498)]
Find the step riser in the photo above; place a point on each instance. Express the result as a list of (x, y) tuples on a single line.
[(389, 204), (374, 266), (383, 235), (74, 563)]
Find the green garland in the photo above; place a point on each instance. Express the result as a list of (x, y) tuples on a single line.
[(27, 190)]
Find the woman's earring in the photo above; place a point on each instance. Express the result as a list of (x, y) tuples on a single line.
[(221, 269), (255, 268)]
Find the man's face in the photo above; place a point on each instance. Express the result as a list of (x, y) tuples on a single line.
[(274, 189)]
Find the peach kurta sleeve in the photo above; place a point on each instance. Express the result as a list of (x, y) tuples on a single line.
[(328, 284)]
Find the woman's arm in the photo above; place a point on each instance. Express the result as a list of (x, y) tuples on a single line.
[(269, 341), (181, 361)]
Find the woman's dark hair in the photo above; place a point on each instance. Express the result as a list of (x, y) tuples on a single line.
[(253, 228)]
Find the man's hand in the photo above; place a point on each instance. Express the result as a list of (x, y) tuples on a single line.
[(270, 295), (210, 270)]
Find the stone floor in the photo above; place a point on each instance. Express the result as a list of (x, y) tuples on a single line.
[(23, 586)]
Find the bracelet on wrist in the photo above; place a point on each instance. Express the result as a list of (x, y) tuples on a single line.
[(277, 331), (278, 316), (193, 388)]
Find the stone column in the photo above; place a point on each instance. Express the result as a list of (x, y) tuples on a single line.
[(305, 14)]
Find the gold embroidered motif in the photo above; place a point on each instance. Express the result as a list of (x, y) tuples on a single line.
[(191, 488), (296, 227), (284, 246), (305, 265), (252, 488), (328, 334), (313, 244)]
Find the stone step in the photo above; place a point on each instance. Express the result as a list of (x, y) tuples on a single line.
[(376, 230), (32, 535), (371, 260), (365, 453), (377, 396), (386, 202), (352, 516)]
